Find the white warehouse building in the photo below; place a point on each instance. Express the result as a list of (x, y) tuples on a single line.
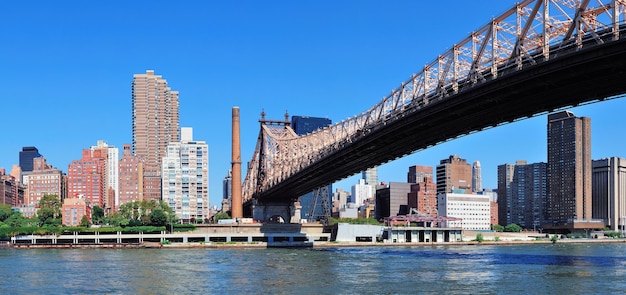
[(474, 210)]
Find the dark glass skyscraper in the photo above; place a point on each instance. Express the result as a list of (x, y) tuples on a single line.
[(303, 125), (27, 155)]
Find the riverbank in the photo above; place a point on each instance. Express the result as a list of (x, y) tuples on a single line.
[(318, 245)]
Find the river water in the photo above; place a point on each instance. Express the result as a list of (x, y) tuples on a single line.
[(470, 269)]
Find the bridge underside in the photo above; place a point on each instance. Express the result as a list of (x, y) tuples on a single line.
[(566, 80)]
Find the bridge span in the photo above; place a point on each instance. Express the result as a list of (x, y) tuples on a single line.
[(539, 56)]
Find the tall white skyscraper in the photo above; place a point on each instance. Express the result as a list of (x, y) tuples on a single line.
[(477, 182), (111, 173), (371, 178), (361, 192), (185, 176)]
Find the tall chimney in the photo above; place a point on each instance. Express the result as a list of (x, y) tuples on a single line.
[(236, 206)]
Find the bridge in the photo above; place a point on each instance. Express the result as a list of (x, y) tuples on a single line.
[(537, 57)]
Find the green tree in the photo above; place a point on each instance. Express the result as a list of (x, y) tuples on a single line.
[(84, 221), (97, 214), (15, 220), (158, 217), (479, 237), (554, 238), (5, 212), (513, 228), (46, 215), (219, 216), (497, 227), (116, 219), (49, 209), (145, 220)]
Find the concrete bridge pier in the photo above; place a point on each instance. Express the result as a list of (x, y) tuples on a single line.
[(289, 212)]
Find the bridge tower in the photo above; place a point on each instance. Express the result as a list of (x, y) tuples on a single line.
[(286, 209)]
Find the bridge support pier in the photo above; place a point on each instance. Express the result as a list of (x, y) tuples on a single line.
[(289, 212)]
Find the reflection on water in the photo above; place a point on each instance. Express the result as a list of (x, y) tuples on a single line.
[(546, 268)]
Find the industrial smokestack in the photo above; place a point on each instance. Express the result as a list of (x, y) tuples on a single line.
[(236, 206)]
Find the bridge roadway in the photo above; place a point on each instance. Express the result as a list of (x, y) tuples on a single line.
[(594, 72)]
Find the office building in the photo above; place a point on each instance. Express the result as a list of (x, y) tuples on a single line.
[(370, 175), (361, 192), (155, 117), (568, 204), (454, 174), (44, 180), (418, 173), (339, 201), (186, 177), (477, 182), (302, 125), (312, 209), (85, 177), (227, 191), (474, 210), (392, 200), (422, 199), (27, 155), (130, 175), (609, 192)]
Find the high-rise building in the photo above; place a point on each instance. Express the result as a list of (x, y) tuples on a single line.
[(609, 192), (477, 181), (370, 175), (302, 125), (27, 155), (155, 124), (186, 177), (85, 177), (44, 180), (535, 193), (392, 200), (361, 192), (423, 197), (340, 199), (505, 191), (569, 171), (454, 174), (130, 177), (522, 192), (111, 173), (11, 190), (227, 191), (16, 172), (418, 173)]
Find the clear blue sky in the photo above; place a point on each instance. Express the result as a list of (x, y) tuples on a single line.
[(66, 69)]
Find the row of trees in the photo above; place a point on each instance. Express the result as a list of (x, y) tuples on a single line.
[(48, 220), (509, 228)]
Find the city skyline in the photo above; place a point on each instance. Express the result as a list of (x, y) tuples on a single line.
[(68, 74)]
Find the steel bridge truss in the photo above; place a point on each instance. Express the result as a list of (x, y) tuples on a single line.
[(531, 32)]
